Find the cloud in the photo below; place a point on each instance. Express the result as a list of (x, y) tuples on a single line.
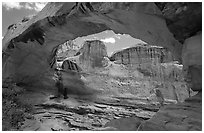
[(37, 6), (108, 40), (28, 6), (11, 5)]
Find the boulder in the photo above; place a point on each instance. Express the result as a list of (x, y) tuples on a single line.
[(192, 61), (192, 51), (186, 116)]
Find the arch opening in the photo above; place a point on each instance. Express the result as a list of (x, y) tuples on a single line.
[(121, 55)]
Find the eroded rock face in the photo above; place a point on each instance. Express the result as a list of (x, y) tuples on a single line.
[(192, 61), (142, 54), (87, 57), (92, 54)]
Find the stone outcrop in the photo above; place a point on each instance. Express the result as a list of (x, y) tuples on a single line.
[(192, 61), (92, 54), (88, 56), (192, 51), (141, 54), (153, 61), (185, 116)]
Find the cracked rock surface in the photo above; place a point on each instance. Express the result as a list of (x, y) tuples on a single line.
[(76, 114)]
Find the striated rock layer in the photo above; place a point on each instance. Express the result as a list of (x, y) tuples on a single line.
[(92, 54), (142, 54)]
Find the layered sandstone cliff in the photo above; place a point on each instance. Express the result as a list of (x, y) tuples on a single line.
[(142, 54), (87, 56), (92, 54)]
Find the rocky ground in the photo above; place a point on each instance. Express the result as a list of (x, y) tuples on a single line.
[(186, 116), (116, 98), (77, 114)]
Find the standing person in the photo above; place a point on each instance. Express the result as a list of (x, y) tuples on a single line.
[(160, 97), (59, 84), (175, 94), (162, 57)]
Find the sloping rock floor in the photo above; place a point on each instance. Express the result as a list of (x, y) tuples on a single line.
[(186, 116), (80, 114)]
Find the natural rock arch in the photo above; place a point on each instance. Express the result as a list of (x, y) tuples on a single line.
[(35, 39)]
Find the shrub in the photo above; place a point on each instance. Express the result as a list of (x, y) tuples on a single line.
[(13, 110)]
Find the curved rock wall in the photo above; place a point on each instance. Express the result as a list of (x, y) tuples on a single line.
[(179, 16), (192, 61)]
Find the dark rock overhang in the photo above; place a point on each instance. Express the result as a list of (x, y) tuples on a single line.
[(184, 19)]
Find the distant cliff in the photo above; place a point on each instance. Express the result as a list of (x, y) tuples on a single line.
[(92, 54), (142, 54)]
